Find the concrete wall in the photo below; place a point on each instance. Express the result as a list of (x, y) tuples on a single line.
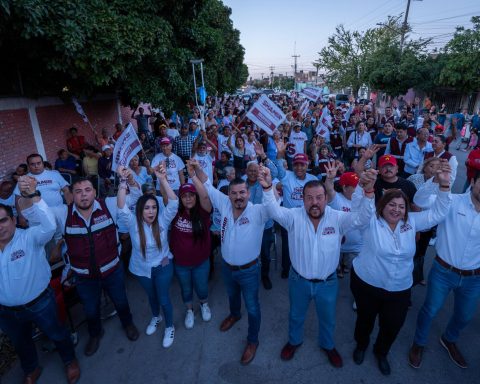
[(41, 125)]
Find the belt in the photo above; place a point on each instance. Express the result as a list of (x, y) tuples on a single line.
[(314, 280), (461, 272), (244, 266), (29, 304)]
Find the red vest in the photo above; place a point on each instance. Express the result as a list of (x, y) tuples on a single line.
[(398, 149), (445, 155), (92, 250)]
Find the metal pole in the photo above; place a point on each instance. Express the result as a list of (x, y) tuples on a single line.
[(194, 84), (404, 26)]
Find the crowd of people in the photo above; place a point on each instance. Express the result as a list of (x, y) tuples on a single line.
[(350, 190)]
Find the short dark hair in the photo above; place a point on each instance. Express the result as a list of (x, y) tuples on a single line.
[(73, 129), (236, 181), (313, 184), (226, 153), (59, 153), (7, 209), (388, 196), (23, 166), (82, 180), (32, 155), (401, 126)]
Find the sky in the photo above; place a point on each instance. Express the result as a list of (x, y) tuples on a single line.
[(272, 31)]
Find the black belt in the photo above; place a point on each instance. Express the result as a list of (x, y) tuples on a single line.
[(244, 266), (461, 272), (29, 304), (314, 280)]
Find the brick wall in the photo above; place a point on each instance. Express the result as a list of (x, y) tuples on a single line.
[(16, 139)]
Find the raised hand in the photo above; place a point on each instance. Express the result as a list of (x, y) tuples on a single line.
[(371, 151), (160, 172), (368, 179), (331, 169), (27, 185), (259, 149), (443, 173), (281, 146), (122, 172), (190, 168), (146, 163), (264, 177)]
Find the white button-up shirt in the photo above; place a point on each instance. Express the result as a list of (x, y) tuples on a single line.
[(386, 258), (241, 238), (458, 236), (142, 265), (24, 269), (414, 155), (315, 253)]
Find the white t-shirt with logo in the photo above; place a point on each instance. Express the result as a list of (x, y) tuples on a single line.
[(173, 165), (206, 163), (50, 184), (293, 189), (299, 139)]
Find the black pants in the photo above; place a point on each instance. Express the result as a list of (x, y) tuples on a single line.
[(285, 253), (419, 258), (265, 251), (391, 308)]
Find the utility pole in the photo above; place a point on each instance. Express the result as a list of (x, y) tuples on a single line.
[(404, 26), (272, 68), (295, 57)]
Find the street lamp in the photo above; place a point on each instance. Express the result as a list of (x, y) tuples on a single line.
[(197, 61)]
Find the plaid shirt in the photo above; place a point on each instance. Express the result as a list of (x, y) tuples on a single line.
[(182, 146)]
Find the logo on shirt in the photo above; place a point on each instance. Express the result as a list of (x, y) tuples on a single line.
[(346, 209), (100, 218), (183, 225), (297, 193), (17, 255), (244, 220), (41, 183), (328, 231), (224, 228), (405, 227)]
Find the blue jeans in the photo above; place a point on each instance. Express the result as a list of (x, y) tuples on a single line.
[(265, 251), (17, 325), (301, 292), (90, 292), (194, 277), (244, 282), (466, 292), (158, 291)]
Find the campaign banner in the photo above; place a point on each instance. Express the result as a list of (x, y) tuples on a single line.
[(126, 147), (304, 108), (312, 93), (266, 115), (79, 109)]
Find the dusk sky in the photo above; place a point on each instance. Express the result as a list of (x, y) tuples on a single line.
[(269, 29)]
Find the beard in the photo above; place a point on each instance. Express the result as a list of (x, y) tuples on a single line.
[(315, 212), (84, 204)]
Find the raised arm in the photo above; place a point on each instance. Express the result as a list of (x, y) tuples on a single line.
[(369, 153), (332, 170), (205, 202)]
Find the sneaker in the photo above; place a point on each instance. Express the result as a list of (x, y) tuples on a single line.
[(152, 327), (168, 337), (189, 319), (334, 357), (206, 313)]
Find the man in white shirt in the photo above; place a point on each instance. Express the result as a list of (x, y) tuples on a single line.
[(173, 164), (315, 232), (456, 268), (241, 231), (25, 296), (298, 138), (49, 183)]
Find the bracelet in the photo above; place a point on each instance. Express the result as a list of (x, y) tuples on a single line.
[(265, 188)]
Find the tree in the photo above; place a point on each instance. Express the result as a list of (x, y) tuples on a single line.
[(142, 50), (461, 69), (342, 59)]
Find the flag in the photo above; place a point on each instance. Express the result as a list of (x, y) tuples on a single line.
[(79, 109), (304, 108), (312, 93), (265, 114), (127, 146)]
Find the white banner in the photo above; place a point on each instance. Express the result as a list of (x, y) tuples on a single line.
[(312, 93), (304, 108), (126, 147), (266, 114), (79, 109)]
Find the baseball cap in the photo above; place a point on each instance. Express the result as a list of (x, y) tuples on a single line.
[(192, 121), (439, 128), (348, 179), (300, 158), (105, 147), (184, 188), (165, 141), (387, 159)]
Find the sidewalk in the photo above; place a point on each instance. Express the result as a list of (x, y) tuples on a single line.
[(206, 355)]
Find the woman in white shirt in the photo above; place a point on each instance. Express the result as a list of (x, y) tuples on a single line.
[(360, 138), (381, 278), (151, 260)]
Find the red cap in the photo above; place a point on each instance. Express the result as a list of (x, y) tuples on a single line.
[(165, 141), (300, 158), (387, 159), (184, 188), (348, 179), (439, 128)]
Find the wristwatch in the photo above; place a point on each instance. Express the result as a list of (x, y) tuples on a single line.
[(32, 195)]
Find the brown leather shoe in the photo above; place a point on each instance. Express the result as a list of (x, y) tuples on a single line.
[(454, 353), (288, 351), (93, 343), (249, 353), (73, 372), (334, 357), (228, 323), (32, 377), (132, 332), (415, 356)]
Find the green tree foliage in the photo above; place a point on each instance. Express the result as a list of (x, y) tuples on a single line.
[(461, 68), (141, 49)]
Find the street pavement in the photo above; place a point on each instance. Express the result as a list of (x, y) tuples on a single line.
[(206, 355)]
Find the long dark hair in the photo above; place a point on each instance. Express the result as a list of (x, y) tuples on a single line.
[(198, 227), (155, 226)]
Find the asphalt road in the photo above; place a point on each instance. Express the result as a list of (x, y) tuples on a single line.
[(206, 355)]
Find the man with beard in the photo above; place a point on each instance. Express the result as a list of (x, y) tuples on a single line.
[(241, 229), (89, 228), (315, 232)]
